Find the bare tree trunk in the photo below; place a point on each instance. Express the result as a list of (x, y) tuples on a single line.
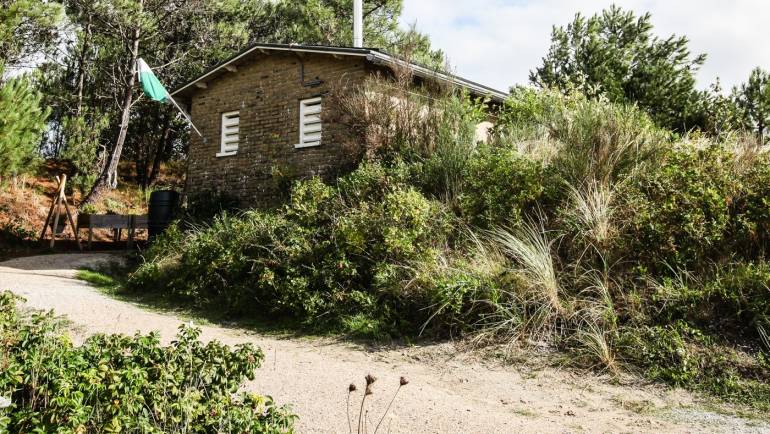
[(109, 175), (81, 67), (160, 154)]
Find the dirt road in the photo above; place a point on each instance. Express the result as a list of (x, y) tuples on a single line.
[(449, 391)]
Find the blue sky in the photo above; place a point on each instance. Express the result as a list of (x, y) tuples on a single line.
[(497, 42)]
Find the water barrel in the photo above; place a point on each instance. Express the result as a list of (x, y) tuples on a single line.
[(161, 211)]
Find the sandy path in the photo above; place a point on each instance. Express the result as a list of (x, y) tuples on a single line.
[(448, 393)]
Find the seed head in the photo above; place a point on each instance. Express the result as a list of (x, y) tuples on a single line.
[(403, 381), (352, 388), (370, 379), (369, 390)]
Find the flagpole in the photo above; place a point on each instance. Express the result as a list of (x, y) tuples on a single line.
[(154, 89), (184, 113)]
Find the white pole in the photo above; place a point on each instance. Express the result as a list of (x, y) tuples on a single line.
[(358, 23), (184, 113)]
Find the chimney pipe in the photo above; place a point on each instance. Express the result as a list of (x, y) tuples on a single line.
[(358, 23)]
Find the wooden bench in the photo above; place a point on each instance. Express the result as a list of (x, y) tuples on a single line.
[(115, 222)]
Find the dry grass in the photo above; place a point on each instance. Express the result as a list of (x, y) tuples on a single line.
[(529, 308), (593, 342), (593, 207), (529, 249)]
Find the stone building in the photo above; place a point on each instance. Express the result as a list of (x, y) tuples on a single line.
[(264, 116)]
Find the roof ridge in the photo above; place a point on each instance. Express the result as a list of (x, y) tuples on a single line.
[(374, 55)]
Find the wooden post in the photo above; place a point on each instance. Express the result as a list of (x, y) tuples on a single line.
[(55, 210)]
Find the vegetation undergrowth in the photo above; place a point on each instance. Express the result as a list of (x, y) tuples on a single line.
[(112, 280), (579, 225), (116, 383)]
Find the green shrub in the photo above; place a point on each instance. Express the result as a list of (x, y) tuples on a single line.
[(751, 210), (118, 383), (502, 185), (734, 302), (583, 139), (443, 165), (678, 210), (665, 352), (602, 141), (681, 355), (600, 206), (459, 297), (83, 134), (324, 257)]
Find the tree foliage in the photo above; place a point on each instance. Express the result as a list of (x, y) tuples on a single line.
[(615, 55), (21, 123), (330, 22), (753, 99), (92, 79), (28, 28)]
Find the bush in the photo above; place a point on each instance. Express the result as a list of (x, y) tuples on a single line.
[(83, 134), (601, 141), (678, 212), (681, 355), (119, 383), (734, 302), (751, 209), (584, 140), (325, 257), (502, 185), (665, 352), (580, 207)]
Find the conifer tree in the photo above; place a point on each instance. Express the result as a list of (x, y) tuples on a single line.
[(753, 98), (615, 55)]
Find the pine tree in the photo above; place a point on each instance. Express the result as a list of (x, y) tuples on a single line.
[(21, 123), (753, 98), (615, 55)]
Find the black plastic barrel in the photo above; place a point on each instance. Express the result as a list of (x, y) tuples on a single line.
[(161, 211)]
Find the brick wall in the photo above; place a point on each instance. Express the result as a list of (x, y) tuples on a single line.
[(267, 91)]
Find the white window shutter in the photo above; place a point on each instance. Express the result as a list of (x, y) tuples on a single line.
[(310, 126), (231, 122)]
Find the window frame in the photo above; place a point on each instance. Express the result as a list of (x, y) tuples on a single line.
[(223, 152), (303, 104)]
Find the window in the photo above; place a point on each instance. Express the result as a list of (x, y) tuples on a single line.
[(309, 123), (230, 133)]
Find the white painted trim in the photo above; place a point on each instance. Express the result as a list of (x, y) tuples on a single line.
[(223, 136), (302, 106)]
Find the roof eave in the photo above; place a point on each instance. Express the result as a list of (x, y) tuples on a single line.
[(372, 55), (361, 52), (421, 71)]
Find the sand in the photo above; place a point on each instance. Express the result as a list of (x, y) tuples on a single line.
[(450, 390)]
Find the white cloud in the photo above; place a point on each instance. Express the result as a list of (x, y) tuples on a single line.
[(497, 42)]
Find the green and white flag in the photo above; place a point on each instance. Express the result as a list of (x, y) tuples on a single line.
[(153, 88), (150, 83)]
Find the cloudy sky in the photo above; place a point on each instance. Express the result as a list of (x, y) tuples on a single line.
[(497, 42)]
